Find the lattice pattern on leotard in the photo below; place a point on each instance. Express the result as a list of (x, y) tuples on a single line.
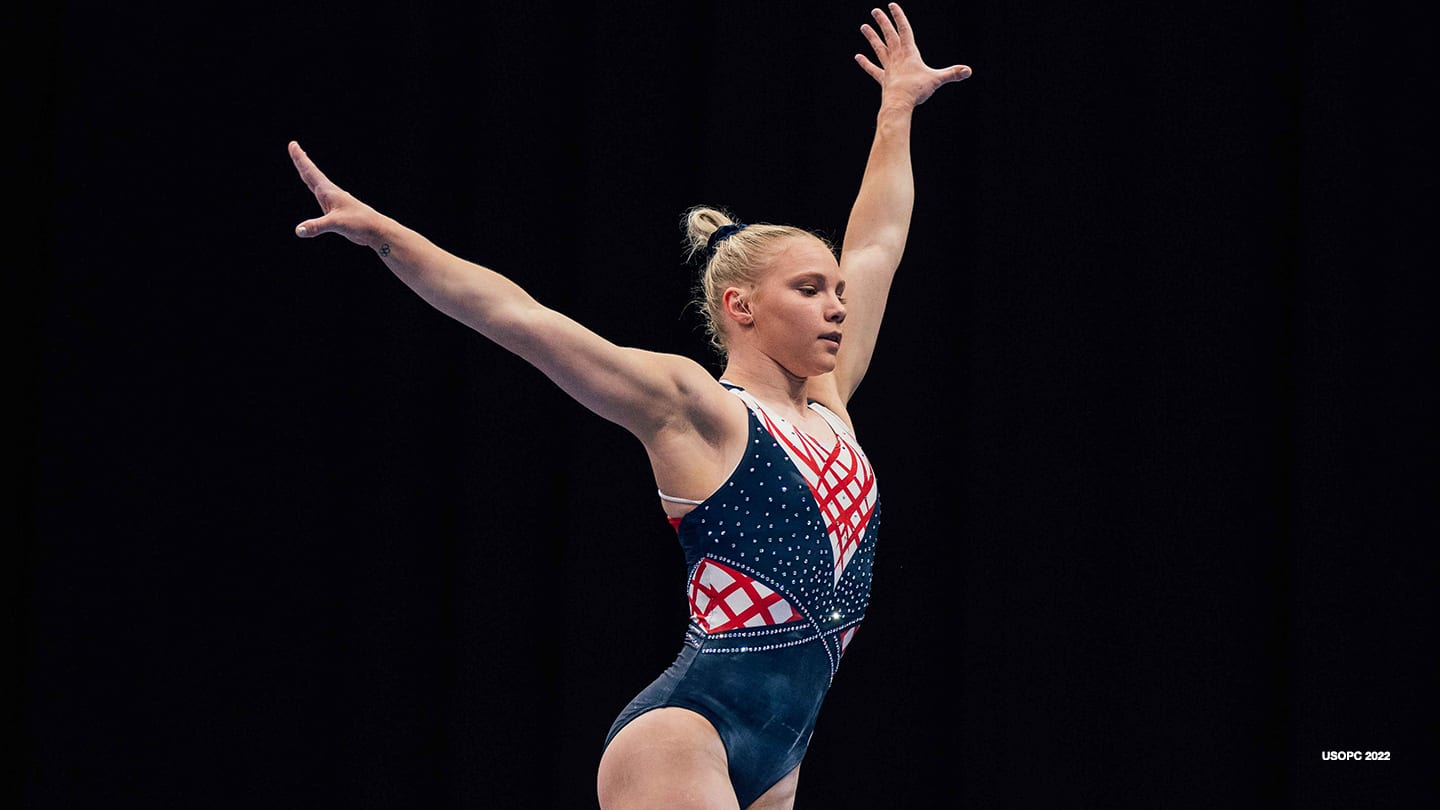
[(722, 598), (841, 479)]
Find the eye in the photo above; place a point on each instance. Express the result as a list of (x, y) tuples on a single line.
[(808, 290)]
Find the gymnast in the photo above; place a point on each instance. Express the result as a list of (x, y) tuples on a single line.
[(774, 503)]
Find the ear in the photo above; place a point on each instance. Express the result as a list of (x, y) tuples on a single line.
[(736, 303)]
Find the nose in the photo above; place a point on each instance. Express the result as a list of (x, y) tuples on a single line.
[(837, 310)]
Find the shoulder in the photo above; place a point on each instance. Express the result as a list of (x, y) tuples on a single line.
[(706, 407)]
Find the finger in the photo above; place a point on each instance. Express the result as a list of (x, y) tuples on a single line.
[(309, 172), (891, 38), (875, 42), (869, 67), (902, 24)]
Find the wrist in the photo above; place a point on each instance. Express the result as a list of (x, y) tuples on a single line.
[(381, 233), (895, 109), (894, 117)]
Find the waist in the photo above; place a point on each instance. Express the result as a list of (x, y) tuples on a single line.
[(764, 639)]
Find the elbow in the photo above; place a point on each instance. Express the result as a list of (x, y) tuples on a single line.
[(512, 324)]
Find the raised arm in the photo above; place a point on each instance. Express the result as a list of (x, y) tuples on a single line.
[(644, 392), (880, 219)]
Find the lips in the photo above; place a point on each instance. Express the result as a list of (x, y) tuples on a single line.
[(835, 336)]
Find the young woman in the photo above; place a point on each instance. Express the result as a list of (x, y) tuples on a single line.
[(773, 500)]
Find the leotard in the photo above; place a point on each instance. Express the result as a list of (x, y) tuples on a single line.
[(779, 561)]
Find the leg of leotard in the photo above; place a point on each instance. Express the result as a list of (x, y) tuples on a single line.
[(666, 758), (781, 795)]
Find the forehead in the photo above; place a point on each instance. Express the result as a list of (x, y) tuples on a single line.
[(803, 254)]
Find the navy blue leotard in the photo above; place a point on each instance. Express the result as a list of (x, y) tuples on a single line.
[(779, 562)]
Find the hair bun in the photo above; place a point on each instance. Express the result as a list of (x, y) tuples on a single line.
[(701, 223)]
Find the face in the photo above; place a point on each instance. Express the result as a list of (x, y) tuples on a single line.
[(798, 307)]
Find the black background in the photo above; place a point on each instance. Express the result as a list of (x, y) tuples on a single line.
[(1151, 410)]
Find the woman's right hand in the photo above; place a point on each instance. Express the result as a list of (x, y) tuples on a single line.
[(343, 213)]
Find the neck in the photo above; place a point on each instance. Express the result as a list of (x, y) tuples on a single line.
[(768, 381)]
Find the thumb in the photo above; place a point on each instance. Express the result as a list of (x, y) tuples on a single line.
[(311, 228), (956, 73)]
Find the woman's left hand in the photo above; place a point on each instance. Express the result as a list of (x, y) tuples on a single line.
[(902, 74)]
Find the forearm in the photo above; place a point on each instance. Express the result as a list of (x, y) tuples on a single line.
[(880, 217), (477, 296)]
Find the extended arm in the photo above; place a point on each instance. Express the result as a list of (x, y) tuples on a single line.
[(639, 390), (880, 218)]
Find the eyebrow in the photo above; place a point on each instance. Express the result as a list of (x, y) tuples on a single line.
[(815, 275)]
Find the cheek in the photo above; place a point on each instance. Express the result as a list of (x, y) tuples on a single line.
[(801, 315)]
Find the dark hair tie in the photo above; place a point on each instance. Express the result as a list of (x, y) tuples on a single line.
[(720, 235)]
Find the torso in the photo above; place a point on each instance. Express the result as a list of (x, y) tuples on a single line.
[(779, 559)]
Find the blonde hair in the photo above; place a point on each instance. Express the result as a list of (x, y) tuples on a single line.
[(736, 260)]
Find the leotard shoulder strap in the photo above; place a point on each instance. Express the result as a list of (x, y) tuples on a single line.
[(836, 423)]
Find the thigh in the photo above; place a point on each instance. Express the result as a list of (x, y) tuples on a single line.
[(666, 758)]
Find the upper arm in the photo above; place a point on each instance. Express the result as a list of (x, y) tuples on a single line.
[(642, 391), (868, 273)]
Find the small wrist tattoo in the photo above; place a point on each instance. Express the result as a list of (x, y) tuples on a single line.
[(385, 250)]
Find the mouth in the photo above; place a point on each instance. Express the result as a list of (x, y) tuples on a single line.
[(833, 337)]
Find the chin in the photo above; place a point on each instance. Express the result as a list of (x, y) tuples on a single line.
[(805, 371), (824, 365)]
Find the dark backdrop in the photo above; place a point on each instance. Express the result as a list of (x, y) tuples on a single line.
[(1152, 411)]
